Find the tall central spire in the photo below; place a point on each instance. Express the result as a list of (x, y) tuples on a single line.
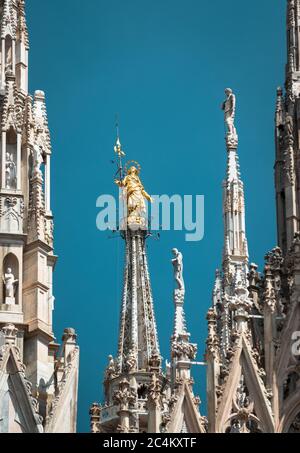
[(138, 342), (133, 380), (231, 283)]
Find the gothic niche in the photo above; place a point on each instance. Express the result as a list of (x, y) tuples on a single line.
[(11, 159), (142, 391), (8, 53), (10, 280)]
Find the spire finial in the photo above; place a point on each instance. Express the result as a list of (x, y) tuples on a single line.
[(118, 147)]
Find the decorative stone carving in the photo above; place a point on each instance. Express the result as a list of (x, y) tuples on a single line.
[(155, 361), (9, 332), (166, 418), (11, 214), (125, 397), (154, 391), (184, 350), (95, 412), (131, 361), (269, 291), (212, 342), (110, 371)]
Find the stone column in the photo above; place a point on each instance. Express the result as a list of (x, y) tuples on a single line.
[(213, 369), (154, 405), (3, 150), (47, 184), (13, 56), (125, 397), (2, 64), (19, 158)]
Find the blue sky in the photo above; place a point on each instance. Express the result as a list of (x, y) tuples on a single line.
[(163, 66)]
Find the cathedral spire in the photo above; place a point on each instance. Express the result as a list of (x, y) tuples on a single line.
[(235, 241), (133, 380), (138, 342), (230, 294), (287, 136), (182, 351), (14, 43), (293, 34)]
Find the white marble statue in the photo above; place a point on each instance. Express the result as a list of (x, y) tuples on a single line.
[(37, 159), (177, 262), (10, 172), (229, 111), (10, 285)]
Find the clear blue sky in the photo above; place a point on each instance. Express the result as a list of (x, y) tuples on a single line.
[(163, 66)]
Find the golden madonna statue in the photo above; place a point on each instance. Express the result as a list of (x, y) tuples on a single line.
[(134, 195)]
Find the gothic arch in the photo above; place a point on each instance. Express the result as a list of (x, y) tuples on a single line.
[(291, 415), (245, 396)]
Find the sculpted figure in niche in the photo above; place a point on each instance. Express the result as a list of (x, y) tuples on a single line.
[(10, 284), (229, 106), (10, 172), (37, 160), (177, 262), (289, 127)]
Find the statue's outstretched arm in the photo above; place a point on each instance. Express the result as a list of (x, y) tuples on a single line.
[(119, 182), (147, 196)]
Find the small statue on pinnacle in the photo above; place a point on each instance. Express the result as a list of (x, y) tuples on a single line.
[(177, 262), (229, 106)]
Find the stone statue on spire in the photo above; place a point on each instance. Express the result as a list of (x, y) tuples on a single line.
[(229, 111), (229, 106), (177, 262)]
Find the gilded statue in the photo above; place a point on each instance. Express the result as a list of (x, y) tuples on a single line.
[(135, 195)]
